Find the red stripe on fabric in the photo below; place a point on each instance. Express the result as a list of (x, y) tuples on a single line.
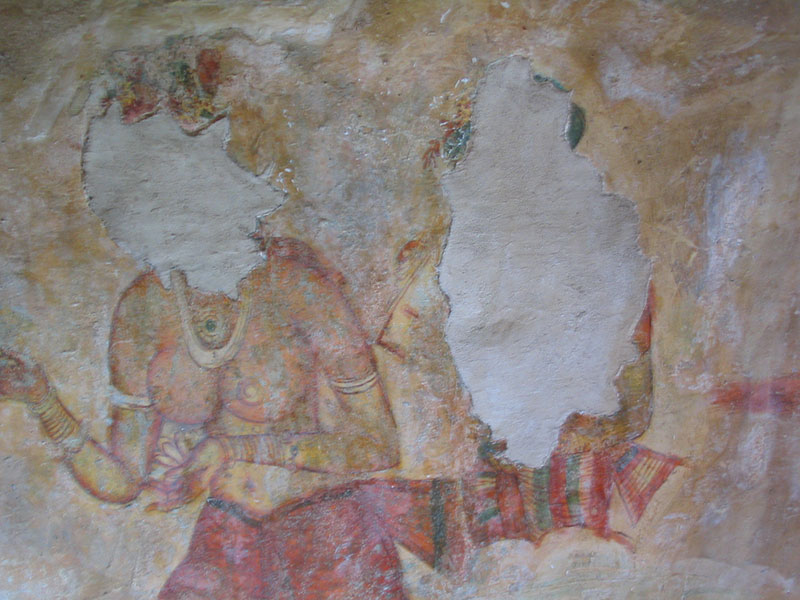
[(596, 491), (512, 511), (638, 488), (558, 491), (478, 498), (459, 546), (404, 509)]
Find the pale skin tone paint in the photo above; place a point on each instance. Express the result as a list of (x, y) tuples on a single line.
[(353, 434)]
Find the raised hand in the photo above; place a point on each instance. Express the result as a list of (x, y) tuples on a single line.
[(21, 380)]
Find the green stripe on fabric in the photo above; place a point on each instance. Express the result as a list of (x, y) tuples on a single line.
[(438, 521), (573, 491), (541, 498), (487, 514)]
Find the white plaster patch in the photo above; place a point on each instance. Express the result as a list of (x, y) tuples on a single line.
[(543, 270), (172, 200), (625, 77), (736, 183), (754, 452)]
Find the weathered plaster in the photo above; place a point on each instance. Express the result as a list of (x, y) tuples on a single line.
[(692, 114), (543, 270), (168, 198)]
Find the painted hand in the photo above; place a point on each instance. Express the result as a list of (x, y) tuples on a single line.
[(20, 380), (185, 482)]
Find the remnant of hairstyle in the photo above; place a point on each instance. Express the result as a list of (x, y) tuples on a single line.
[(173, 200)]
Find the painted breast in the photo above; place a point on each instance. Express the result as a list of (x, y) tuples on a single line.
[(271, 376)]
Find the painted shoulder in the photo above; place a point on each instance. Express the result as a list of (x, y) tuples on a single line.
[(143, 317), (299, 260)]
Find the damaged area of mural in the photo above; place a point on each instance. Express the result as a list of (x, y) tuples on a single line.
[(543, 270), (268, 401), (323, 313)]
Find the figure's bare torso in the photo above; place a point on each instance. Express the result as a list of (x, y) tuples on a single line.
[(271, 385), (263, 388)]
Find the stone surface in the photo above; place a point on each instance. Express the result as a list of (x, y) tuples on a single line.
[(361, 115)]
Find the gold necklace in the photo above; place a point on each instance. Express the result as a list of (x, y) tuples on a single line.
[(206, 357)]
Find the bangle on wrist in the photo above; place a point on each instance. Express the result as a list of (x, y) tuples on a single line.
[(57, 422), (238, 448), (44, 403), (278, 452), (264, 449), (74, 443)]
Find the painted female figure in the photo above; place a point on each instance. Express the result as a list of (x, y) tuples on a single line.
[(268, 400), (259, 401), (272, 405)]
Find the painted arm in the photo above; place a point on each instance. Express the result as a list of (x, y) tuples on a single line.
[(364, 440), (110, 474), (117, 471)]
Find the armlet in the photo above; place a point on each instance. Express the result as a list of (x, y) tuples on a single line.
[(120, 400), (355, 386)]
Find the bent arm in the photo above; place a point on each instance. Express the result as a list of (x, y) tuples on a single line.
[(107, 474), (114, 472), (104, 475), (364, 440)]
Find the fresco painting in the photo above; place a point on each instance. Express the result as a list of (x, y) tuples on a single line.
[(284, 484), (339, 300), (272, 406)]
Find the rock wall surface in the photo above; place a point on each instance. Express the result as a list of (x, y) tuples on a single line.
[(381, 135)]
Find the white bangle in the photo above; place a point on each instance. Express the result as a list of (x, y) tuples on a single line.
[(74, 443)]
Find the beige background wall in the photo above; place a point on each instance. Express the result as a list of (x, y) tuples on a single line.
[(692, 121)]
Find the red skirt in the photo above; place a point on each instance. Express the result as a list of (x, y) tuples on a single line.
[(329, 547), (340, 544)]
